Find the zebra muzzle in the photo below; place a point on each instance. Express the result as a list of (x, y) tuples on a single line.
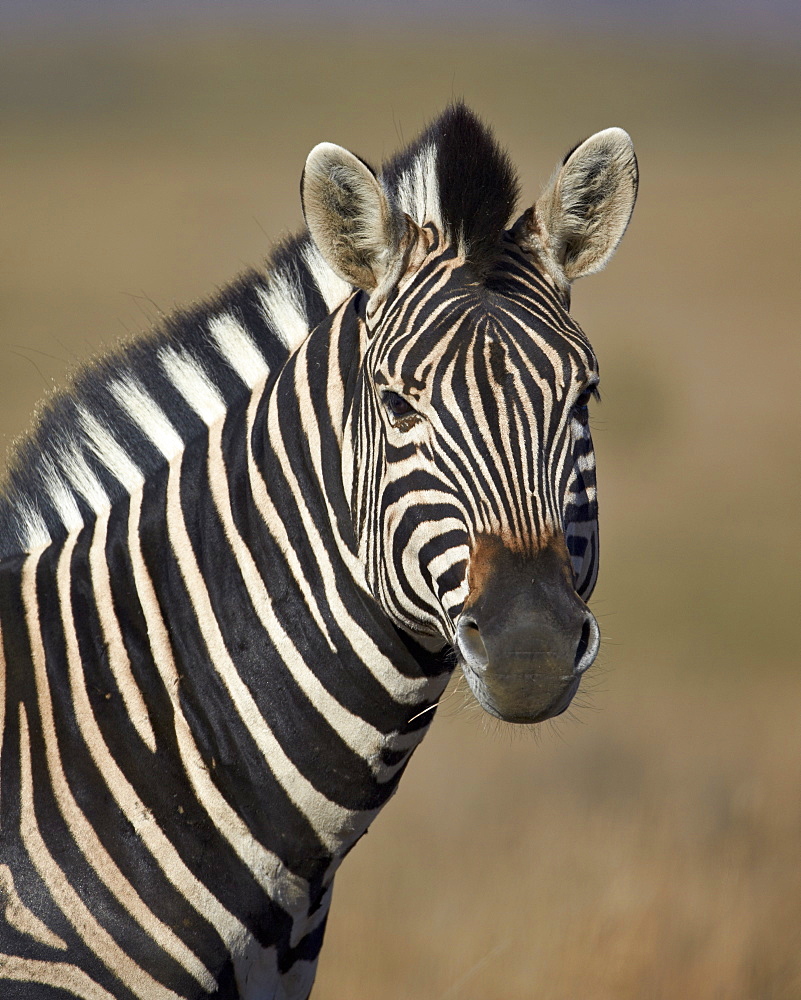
[(524, 637)]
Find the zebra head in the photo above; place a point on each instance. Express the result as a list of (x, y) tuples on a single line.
[(467, 454)]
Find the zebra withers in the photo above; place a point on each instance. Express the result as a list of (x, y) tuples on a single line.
[(239, 556)]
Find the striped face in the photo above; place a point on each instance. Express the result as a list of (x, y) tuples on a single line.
[(471, 441), (468, 457)]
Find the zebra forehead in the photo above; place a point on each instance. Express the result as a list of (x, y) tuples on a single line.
[(495, 341)]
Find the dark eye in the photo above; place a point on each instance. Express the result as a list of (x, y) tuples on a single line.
[(397, 405), (583, 401)]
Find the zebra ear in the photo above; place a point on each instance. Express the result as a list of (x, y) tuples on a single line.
[(577, 224), (349, 216)]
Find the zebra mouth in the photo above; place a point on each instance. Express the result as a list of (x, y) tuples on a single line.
[(520, 697)]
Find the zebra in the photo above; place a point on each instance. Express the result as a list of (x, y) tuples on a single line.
[(243, 555)]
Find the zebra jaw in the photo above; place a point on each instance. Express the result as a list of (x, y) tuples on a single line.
[(524, 638)]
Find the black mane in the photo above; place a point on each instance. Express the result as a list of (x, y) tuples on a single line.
[(475, 181)]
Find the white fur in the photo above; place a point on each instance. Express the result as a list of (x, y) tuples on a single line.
[(32, 528), (21, 918), (61, 497), (194, 385), (333, 289), (237, 347), (85, 481), (284, 309), (110, 452), (418, 190), (148, 416)]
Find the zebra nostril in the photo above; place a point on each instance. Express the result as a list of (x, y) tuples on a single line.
[(470, 643), (588, 644)]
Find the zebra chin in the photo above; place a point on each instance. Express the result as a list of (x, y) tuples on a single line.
[(524, 638), (516, 699)]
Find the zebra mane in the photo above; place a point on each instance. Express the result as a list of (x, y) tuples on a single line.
[(85, 450), (456, 176)]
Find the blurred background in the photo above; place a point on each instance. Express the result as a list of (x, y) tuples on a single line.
[(648, 844)]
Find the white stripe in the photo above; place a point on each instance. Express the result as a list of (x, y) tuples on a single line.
[(145, 412), (333, 289), (237, 347), (32, 528), (455, 598), (59, 975), (61, 496), (418, 190), (118, 660), (441, 563), (110, 452), (22, 919), (84, 480), (284, 308), (275, 525), (189, 378), (256, 973)]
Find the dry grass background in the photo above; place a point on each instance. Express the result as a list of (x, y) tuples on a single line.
[(648, 846)]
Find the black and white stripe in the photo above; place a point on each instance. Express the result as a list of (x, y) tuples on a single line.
[(231, 578)]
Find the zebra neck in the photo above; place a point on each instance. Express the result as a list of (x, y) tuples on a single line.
[(98, 441)]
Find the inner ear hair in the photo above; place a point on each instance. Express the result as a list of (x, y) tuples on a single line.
[(356, 228), (577, 224)]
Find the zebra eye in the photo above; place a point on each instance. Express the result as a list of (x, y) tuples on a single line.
[(397, 405), (583, 401)]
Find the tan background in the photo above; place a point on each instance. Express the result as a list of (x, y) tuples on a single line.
[(648, 845)]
